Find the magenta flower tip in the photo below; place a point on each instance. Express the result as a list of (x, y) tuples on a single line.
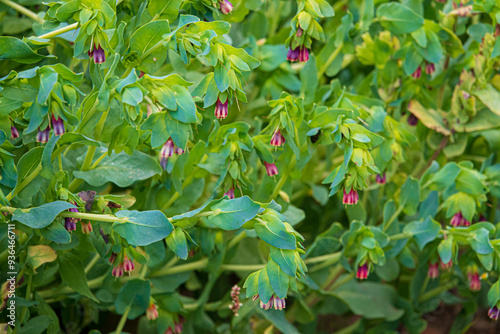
[(271, 169), (221, 109)]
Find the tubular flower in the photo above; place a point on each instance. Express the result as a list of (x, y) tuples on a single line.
[(293, 54), (493, 313), (351, 197), (70, 223), (303, 55), (58, 126), (220, 109), (363, 271), (445, 266), (14, 133), (43, 135), (380, 179), (474, 282), (118, 270), (277, 139), (459, 220), (98, 54), (271, 169), (417, 74), (128, 264), (412, 120), (226, 7), (230, 193), (86, 228), (433, 271), (278, 303), (430, 68), (168, 148), (152, 312)]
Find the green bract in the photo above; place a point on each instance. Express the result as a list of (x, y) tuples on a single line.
[(249, 166)]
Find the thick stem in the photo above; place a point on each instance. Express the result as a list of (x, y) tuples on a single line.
[(59, 31), (24, 183), (86, 166), (23, 10), (330, 59)]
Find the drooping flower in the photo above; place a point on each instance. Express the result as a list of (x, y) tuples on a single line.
[(226, 7), (430, 68), (445, 266), (493, 313), (168, 148), (179, 325), (474, 281), (86, 228), (128, 264), (118, 270), (459, 220), (363, 271), (433, 271), (69, 224), (278, 303), (163, 162), (152, 311), (58, 126), (220, 109), (112, 258), (98, 54), (277, 139), (304, 55), (230, 193), (14, 133), (43, 135), (235, 298), (271, 169), (178, 150), (417, 74), (293, 54), (412, 120), (351, 197), (380, 178)]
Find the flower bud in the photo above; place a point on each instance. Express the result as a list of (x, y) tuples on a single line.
[(271, 169)]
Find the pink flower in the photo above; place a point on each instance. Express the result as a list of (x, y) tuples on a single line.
[(112, 258), (230, 193), (220, 109), (459, 220), (363, 271), (235, 298), (277, 139), (43, 136), (168, 148), (152, 312), (225, 7), (430, 68), (118, 270), (14, 133), (271, 169), (380, 179), (98, 54), (445, 266), (351, 197), (417, 74), (128, 264), (278, 303), (293, 54), (474, 282), (58, 126), (304, 55), (493, 313), (86, 228), (433, 271)]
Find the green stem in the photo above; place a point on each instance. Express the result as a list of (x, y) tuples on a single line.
[(23, 10), (124, 317), (86, 166), (283, 179), (28, 294), (24, 183), (181, 268), (399, 236), (393, 218), (330, 59), (242, 267), (81, 215), (92, 263), (59, 31)]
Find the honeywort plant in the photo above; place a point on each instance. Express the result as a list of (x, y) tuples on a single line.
[(249, 166)]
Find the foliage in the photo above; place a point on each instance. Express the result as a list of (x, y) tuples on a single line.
[(251, 166)]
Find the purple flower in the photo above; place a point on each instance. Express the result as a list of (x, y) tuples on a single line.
[(112, 258), (412, 120), (128, 264), (459, 220), (417, 74), (430, 68), (474, 282), (220, 109), (69, 224), (163, 162), (225, 7), (98, 54), (168, 148), (351, 197), (13, 132), (433, 271), (43, 135), (277, 139), (271, 169), (58, 125), (278, 303), (118, 270), (493, 313), (230, 193), (363, 271), (304, 55), (178, 150), (380, 179), (293, 54)]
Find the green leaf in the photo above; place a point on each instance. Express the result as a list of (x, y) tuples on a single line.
[(398, 18), (445, 250), (121, 169), (494, 294), (232, 214), (143, 227), (145, 38), (186, 112), (285, 259), (490, 97), (177, 243), (273, 232), (265, 288), (41, 216), (17, 50), (410, 195), (252, 284), (445, 177), (327, 242), (132, 96), (48, 78), (73, 275), (36, 325), (480, 241), (135, 293), (370, 300), (40, 254), (423, 231), (56, 233), (278, 279)]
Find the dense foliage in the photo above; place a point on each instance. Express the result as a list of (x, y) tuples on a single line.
[(207, 166)]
